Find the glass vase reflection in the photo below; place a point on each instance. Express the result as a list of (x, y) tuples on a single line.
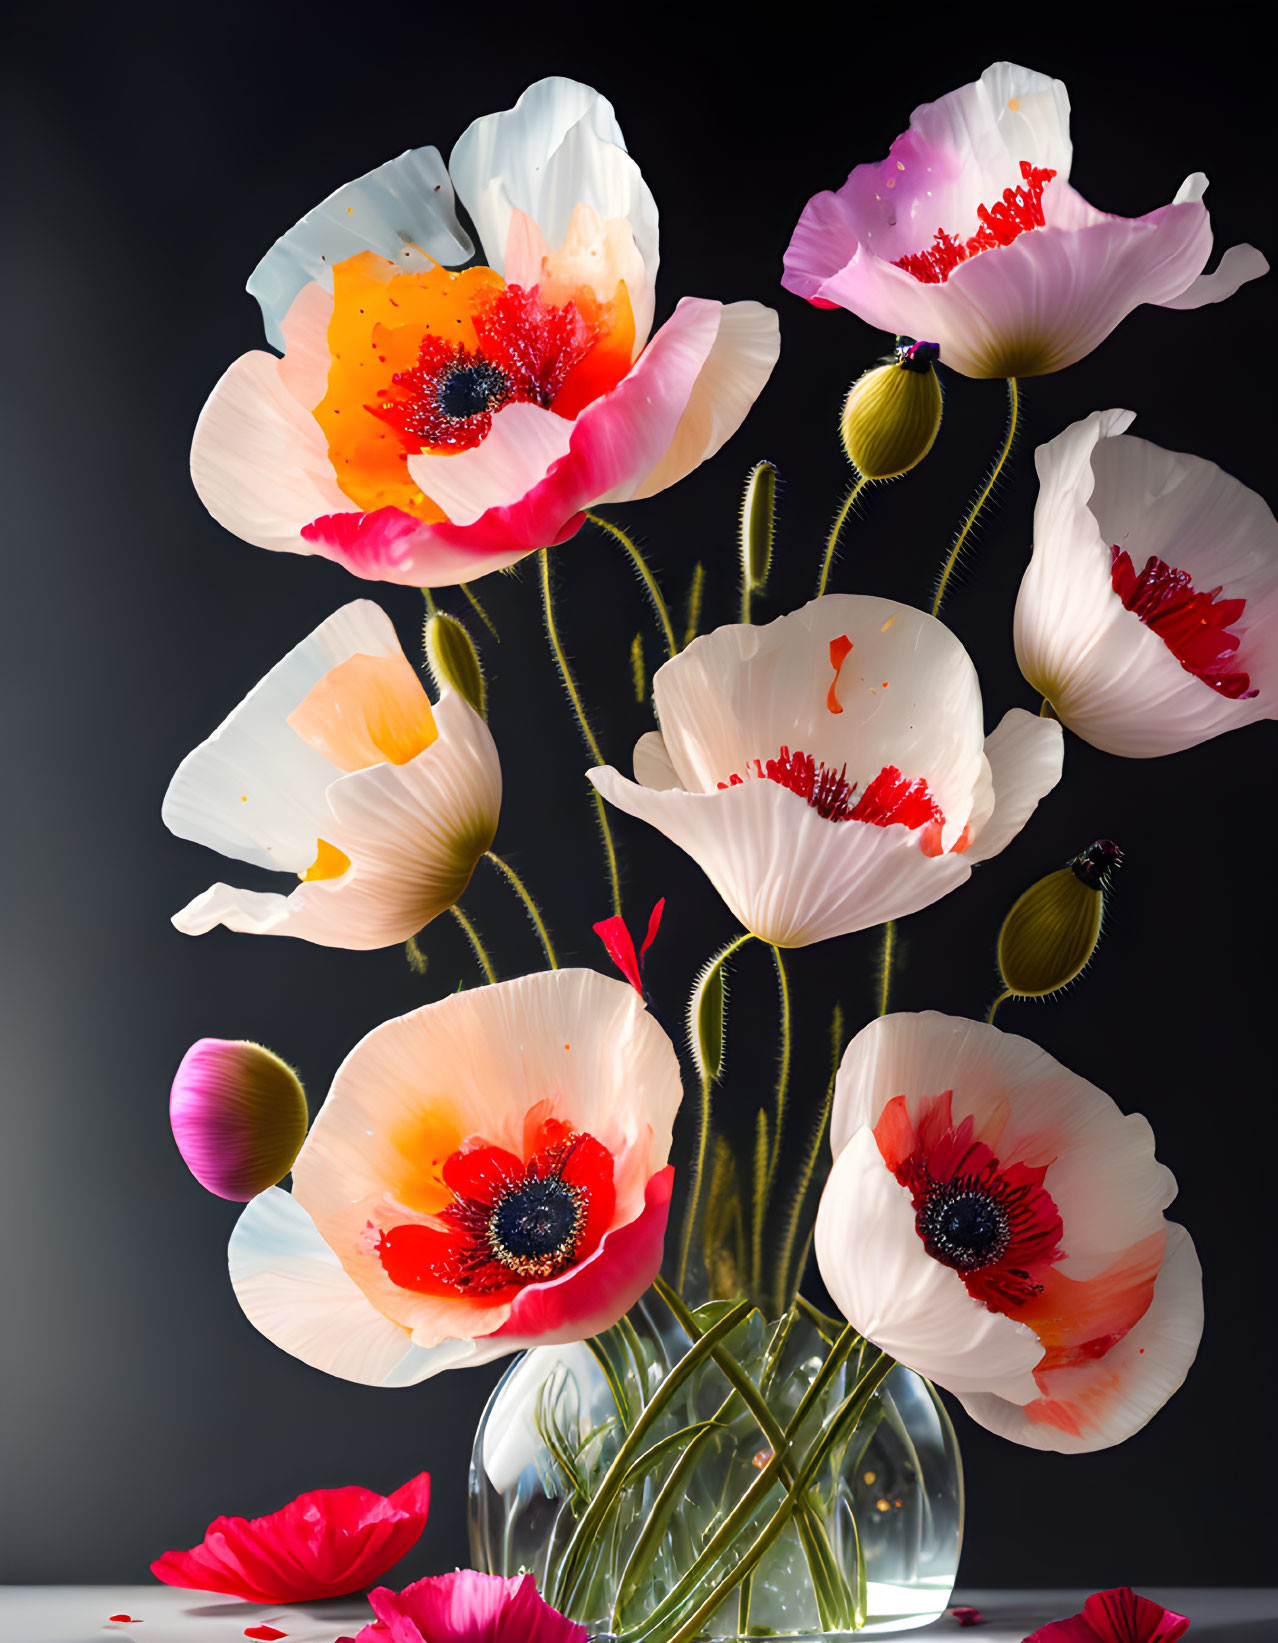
[(649, 1501)]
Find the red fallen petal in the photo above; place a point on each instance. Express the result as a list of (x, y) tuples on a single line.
[(127, 1617), (326, 1543), (621, 948), (1115, 1616), (654, 924), (268, 1633), (840, 650), (968, 1617), (465, 1607)]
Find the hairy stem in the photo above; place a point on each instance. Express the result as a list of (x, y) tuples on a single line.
[(832, 541), (534, 912), (1000, 462), (649, 580), (472, 936)]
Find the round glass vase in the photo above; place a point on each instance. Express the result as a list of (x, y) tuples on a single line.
[(634, 1476)]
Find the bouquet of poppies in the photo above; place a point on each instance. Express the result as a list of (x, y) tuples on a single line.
[(493, 1172)]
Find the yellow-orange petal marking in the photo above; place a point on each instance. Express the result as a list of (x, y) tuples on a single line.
[(329, 863), (367, 710)]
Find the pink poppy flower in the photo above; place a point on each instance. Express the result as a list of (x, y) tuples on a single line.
[(1148, 614), (488, 1173), (996, 1223), (969, 234), (426, 426), (1117, 1616), (337, 770), (323, 1544), (830, 770), (467, 1607)]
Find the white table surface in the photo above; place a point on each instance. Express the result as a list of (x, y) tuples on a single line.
[(164, 1614)]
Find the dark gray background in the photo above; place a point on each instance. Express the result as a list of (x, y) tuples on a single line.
[(154, 155)]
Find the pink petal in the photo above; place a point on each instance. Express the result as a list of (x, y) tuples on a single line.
[(468, 1607)]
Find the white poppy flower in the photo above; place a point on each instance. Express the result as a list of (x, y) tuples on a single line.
[(995, 1222), (830, 770), (1148, 616), (969, 234), (336, 768)]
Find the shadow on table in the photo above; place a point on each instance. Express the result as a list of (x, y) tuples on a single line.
[(340, 1610)]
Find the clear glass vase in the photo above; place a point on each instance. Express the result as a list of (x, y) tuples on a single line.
[(634, 1476)]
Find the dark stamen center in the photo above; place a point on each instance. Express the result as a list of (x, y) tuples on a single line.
[(535, 1227), (470, 389), (963, 1226)]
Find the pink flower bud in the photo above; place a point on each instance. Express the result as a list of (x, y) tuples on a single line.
[(238, 1115)]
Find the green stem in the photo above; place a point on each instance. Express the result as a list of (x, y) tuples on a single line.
[(758, 1198), (693, 1206), (832, 541), (574, 696), (649, 580), (429, 597), (1000, 462), (534, 912), (482, 614), (993, 1009), (696, 591), (886, 954), (472, 935), (567, 1574), (783, 1072), (788, 1282)]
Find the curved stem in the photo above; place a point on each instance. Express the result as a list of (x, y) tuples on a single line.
[(993, 1009), (886, 954), (482, 614), (429, 597), (472, 936), (649, 580), (574, 696), (534, 912), (696, 591), (832, 541), (787, 1286), (1000, 462), (783, 1072), (693, 1205)]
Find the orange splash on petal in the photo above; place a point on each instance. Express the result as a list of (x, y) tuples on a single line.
[(367, 710), (840, 650), (329, 863)]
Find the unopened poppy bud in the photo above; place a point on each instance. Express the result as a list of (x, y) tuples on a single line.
[(892, 414), (453, 660), (758, 507), (705, 1020), (239, 1116), (1050, 934)]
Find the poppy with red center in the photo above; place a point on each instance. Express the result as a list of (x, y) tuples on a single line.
[(512, 1222), (1019, 210), (993, 1223), (527, 351), (889, 799), (1193, 626)]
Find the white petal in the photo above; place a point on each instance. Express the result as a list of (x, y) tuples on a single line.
[(474, 1064), (293, 1290), (787, 874), (522, 445), (734, 375), (406, 202), (874, 1265), (652, 762), (1026, 755), (559, 147), (1109, 676), (1028, 1108), (413, 833), (254, 789), (1239, 264), (1104, 1401), (908, 695), (305, 366), (259, 459)]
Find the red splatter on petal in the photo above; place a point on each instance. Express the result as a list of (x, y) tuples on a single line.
[(840, 650), (266, 1633), (1193, 626)]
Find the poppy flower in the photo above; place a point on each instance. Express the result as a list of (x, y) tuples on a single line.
[(468, 1607), (830, 770), (994, 1222), (1148, 614), (336, 768), (1117, 1616), (488, 1173), (969, 234), (325, 1543), (426, 426)]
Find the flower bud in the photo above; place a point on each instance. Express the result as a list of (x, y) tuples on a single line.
[(1050, 934), (705, 1020), (453, 660), (758, 509), (893, 412), (239, 1116)]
